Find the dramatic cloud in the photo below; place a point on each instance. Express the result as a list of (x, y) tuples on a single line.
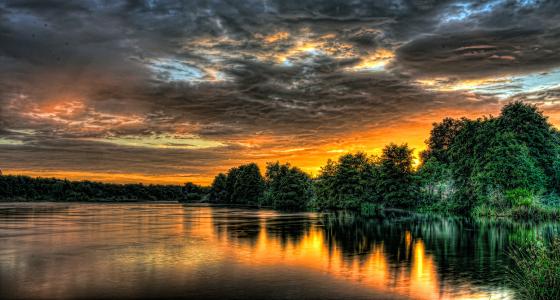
[(161, 91)]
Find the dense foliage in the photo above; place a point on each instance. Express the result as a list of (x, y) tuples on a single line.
[(287, 187), (483, 160), (357, 181), (504, 165), (348, 182), (241, 185), (397, 182), (23, 188)]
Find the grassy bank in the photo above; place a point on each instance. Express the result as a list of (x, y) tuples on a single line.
[(520, 204), (536, 274), (535, 212)]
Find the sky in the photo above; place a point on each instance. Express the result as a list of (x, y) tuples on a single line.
[(169, 92)]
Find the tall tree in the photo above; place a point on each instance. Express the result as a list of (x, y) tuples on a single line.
[(249, 185), (397, 182), (231, 180), (441, 138), (218, 189), (287, 187), (532, 128), (347, 183), (507, 165)]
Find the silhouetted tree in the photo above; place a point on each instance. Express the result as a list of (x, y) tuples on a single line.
[(25, 188), (218, 189), (287, 187), (195, 192), (245, 184)]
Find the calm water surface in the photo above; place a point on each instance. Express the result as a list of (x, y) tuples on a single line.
[(172, 250)]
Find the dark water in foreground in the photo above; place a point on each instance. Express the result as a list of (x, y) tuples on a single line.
[(172, 250)]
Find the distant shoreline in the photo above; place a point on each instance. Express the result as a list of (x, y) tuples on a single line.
[(92, 201)]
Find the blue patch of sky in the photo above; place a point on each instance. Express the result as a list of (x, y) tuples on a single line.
[(376, 68), (540, 81), (308, 56), (527, 2), (464, 10), (15, 136), (175, 70), (529, 83)]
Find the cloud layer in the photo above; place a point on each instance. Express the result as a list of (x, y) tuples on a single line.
[(141, 90)]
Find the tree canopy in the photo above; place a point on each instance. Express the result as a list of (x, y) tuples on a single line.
[(490, 156), (287, 187)]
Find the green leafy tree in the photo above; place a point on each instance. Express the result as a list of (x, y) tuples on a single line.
[(532, 128), (325, 187), (397, 182), (489, 156), (470, 144), (347, 183), (506, 165), (441, 138), (436, 184), (248, 186), (287, 187)]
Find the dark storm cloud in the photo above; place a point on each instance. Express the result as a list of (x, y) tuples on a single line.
[(76, 75), (482, 53), (549, 96), (80, 156), (490, 39)]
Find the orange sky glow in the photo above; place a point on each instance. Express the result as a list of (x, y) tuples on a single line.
[(413, 132)]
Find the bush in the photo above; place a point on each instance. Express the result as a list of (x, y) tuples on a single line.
[(484, 210), (520, 197), (551, 199), (536, 274)]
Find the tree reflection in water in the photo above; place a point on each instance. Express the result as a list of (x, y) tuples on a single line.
[(400, 252)]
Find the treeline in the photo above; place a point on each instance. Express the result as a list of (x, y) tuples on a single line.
[(24, 188), (353, 182), (505, 165), (502, 165), (282, 187)]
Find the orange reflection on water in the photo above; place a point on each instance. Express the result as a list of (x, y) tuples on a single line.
[(371, 270), (417, 277), (125, 248)]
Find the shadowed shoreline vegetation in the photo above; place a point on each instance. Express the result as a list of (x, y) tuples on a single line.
[(24, 188)]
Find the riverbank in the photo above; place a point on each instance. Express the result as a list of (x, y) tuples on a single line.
[(533, 213), (529, 210)]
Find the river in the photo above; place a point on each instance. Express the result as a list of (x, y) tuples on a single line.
[(153, 250)]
